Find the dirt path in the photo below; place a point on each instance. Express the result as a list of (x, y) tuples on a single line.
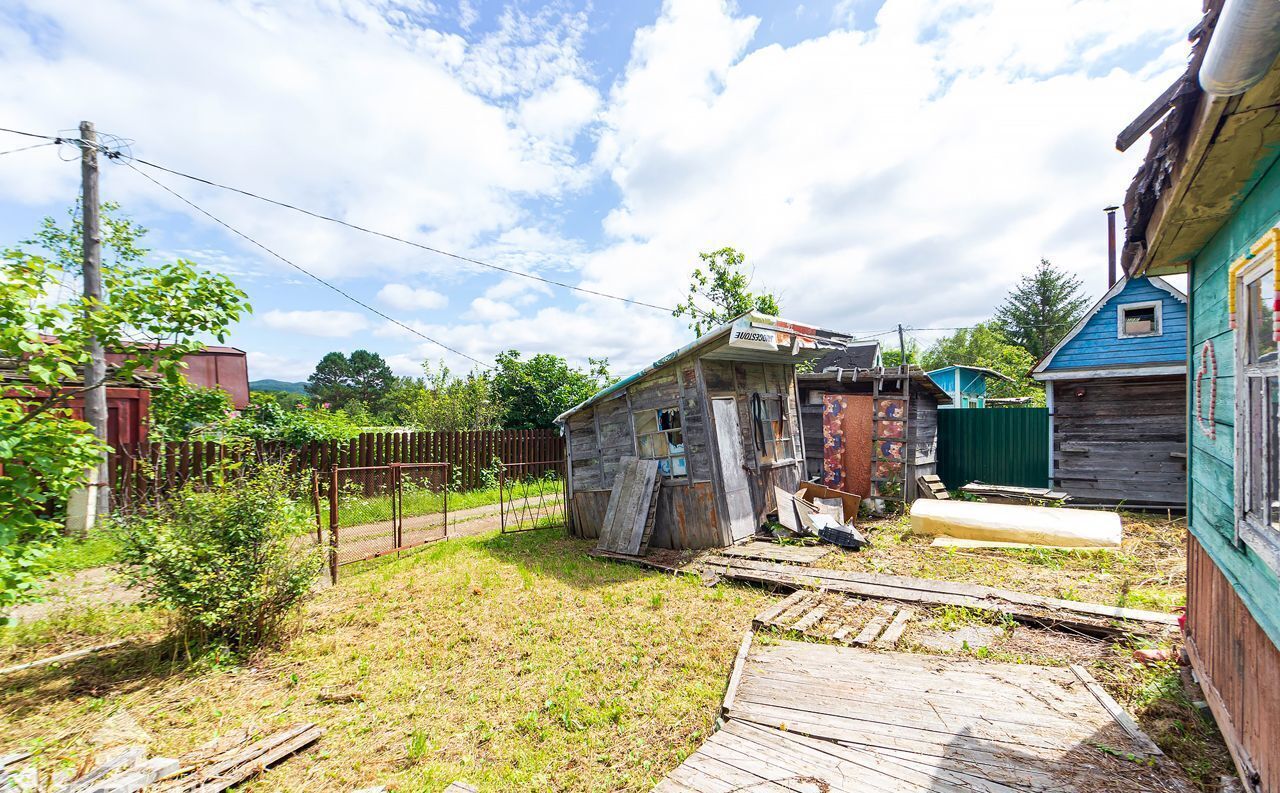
[(97, 586), (100, 586)]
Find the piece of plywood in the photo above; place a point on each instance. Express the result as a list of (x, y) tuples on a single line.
[(629, 519), (1063, 528)]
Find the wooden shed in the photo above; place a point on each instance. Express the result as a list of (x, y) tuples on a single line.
[(1206, 202), (1115, 387), (870, 431), (720, 415)]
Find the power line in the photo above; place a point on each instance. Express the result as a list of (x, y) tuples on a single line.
[(300, 268), (402, 240), (28, 148)]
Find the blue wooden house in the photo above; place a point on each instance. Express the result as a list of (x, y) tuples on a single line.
[(966, 385), (1115, 387), (1206, 202)]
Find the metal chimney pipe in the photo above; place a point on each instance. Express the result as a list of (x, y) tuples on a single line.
[(1111, 245)]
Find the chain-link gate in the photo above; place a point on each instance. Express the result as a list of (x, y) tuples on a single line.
[(381, 509), (533, 495)]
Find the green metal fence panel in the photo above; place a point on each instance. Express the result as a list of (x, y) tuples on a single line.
[(999, 446)]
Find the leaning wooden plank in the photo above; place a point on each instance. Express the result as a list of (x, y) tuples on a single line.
[(735, 676), (817, 576), (893, 633), (872, 629), (607, 539), (68, 656), (770, 615), (1118, 713), (649, 507)]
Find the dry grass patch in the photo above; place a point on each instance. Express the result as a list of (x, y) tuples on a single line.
[(1149, 571), (516, 662)]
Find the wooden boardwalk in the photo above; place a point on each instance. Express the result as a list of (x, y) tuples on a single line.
[(803, 717)]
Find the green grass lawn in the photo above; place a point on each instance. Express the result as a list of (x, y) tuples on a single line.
[(71, 554), (516, 662)]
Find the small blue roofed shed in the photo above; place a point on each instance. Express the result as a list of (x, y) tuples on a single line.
[(966, 385), (1115, 387)]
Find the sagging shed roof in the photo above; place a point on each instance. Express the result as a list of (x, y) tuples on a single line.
[(750, 337), (917, 375), (1204, 157)]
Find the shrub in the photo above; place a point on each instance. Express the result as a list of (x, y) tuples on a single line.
[(179, 410), (265, 419), (225, 559)]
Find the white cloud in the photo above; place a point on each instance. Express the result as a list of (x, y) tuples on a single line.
[(486, 310), (414, 131), (325, 324), (270, 366), (560, 111), (908, 174), (409, 298)]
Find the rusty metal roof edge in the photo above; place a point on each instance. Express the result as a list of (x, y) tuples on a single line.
[(705, 340)]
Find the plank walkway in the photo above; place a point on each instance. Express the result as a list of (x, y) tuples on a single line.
[(802, 717), (773, 552)]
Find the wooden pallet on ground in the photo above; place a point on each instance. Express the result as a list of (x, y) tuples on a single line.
[(831, 616)]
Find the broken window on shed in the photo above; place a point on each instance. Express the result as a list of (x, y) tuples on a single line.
[(659, 436), (773, 435), (1139, 319), (1257, 412)]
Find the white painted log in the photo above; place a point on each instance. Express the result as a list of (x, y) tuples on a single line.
[(1053, 526)]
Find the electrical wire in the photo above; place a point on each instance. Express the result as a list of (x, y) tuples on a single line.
[(402, 240), (28, 148), (299, 267)]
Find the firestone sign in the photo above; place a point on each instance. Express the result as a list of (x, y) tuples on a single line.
[(747, 337)]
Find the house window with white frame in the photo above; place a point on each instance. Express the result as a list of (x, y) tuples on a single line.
[(1257, 440), (1135, 320), (659, 436), (772, 430)]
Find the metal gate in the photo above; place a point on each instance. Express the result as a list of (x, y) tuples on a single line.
[(381, 509), (999, 446), (533, 496)]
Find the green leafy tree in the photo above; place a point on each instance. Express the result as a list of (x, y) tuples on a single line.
[(45, 331), (444, 402), (893, 356), (265, 419), (1040, 310), (983, 346), (363, 377), (720, 292), (533, 392), (180, 410), (331, 381)]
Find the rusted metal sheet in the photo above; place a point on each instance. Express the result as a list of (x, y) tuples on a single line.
[(846, 442)]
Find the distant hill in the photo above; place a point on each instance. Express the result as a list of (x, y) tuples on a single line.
[(278, 385)]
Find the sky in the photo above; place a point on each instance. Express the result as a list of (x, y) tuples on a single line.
[(878, 161)]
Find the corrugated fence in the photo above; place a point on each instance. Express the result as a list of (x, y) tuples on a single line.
[(143, 473), (999, 446)]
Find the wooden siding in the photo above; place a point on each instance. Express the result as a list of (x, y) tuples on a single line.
[(1238, 666), (1123, 441), (1096, 344), (686, 516), (1211, 471)]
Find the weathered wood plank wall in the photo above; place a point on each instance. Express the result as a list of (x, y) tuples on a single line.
[(1239, 665), (1125, 440)]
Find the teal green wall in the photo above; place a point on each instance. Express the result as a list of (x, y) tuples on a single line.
[(1211, 474)]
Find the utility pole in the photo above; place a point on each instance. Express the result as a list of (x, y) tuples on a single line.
[(95, 374), (902, 346)]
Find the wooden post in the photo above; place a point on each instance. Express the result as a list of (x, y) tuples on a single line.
[(333, 524), (95, 374)]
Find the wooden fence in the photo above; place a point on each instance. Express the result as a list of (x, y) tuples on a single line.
[(142, 473)]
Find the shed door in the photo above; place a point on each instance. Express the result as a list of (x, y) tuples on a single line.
[(737, 492)]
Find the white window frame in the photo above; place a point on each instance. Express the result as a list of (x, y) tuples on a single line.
[(1159, 319), (786, 440), (1262, 539), (669, 456)]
